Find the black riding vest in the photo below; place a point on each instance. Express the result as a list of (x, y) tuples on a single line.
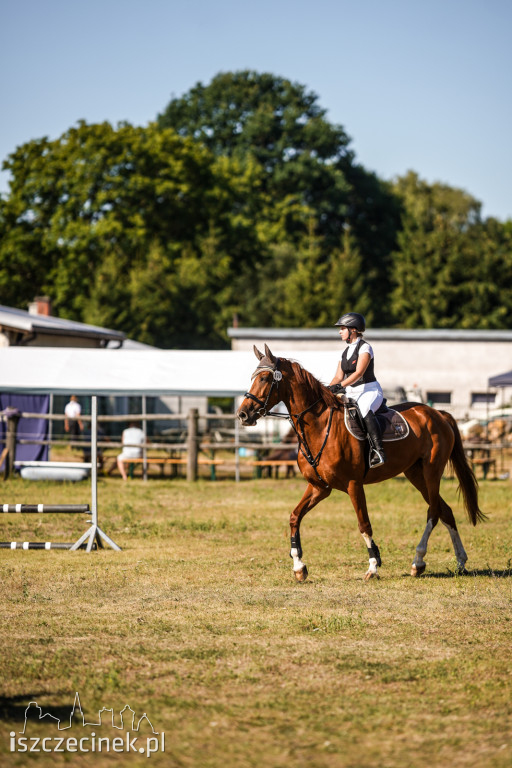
[(349, 366)]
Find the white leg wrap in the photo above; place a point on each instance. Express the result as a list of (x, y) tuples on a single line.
[(372, 568), (421, 549), (298, 565), (460, 552)]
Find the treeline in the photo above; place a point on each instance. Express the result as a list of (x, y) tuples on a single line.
[(241, 199)]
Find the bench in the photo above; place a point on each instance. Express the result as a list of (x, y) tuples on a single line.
[(486, 463), (261, 463), (163, 461)]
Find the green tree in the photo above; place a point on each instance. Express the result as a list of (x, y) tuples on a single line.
[(306, 165), (345, 288), (281, 126), (242, 113), (304, 288), (242, 199), (99, 215), (434, 257), (485, 288), (98, 191), (373, 220)]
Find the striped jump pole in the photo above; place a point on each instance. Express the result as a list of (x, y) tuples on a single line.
[(94, 537), (38, 545), (71, 509)]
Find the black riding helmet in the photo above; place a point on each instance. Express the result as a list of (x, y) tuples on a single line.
[(353, 320)]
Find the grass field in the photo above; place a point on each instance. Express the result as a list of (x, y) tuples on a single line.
[(198, 622)]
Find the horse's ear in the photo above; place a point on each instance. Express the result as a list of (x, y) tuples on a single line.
[(269, 354), (258, 354)]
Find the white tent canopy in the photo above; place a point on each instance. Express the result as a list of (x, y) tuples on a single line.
[(64, 370)]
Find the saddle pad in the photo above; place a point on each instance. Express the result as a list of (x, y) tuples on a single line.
[(392, 424)]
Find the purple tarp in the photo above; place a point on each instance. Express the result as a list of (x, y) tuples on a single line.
[(28, 429)]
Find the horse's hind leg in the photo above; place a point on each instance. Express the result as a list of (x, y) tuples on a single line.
[(416, 477), (312, 495), (448, 521), (438, 509)]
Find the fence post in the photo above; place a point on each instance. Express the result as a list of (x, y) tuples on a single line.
[(13, 417), (237, 450), (144, 449), (192, 451)]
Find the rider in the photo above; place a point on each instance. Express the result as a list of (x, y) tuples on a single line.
[(355, 374)]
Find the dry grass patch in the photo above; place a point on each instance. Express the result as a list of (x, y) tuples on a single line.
[(198, 622)]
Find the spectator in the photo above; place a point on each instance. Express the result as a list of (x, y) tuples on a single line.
[(72, 421), (132, 440)]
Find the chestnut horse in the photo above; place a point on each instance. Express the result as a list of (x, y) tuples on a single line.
[(331, 457)]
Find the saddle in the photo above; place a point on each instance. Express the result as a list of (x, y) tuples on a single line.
[(392, 424)]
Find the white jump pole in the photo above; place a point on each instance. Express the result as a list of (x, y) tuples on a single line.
[(94, 532)]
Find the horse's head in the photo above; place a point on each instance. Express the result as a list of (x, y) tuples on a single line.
[(264, 391)]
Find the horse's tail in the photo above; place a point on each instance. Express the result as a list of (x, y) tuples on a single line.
[(468, 484)]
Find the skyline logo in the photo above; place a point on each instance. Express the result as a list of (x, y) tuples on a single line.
[(148, 741)]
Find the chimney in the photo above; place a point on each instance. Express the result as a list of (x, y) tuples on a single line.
[(40, 306)]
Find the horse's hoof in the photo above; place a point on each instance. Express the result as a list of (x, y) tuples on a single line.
[(417, 570), (371, 575), (302, 574)]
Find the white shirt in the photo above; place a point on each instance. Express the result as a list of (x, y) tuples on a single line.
[(132, 437), (73, 410), (372, 386)]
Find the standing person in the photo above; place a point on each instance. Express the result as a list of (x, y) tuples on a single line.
[(72, 421), (132, 439), (355, 373)]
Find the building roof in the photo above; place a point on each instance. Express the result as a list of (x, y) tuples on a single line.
[(378, 334), (28, 323)]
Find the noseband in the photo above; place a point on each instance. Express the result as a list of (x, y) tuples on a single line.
[(276, 378)]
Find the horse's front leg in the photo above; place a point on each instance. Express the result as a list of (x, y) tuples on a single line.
[(358, 499), (312, 495)]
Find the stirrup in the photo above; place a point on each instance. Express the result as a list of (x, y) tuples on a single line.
[(376, 457)]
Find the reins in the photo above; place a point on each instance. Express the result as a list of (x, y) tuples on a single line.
[(304, 448), (299, 430)]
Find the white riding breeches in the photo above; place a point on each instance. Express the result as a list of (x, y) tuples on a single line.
[(371, 400)]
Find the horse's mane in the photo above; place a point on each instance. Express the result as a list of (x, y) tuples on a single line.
[(306, 379)]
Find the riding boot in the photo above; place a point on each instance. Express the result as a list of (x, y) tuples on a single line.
[(377, 455)]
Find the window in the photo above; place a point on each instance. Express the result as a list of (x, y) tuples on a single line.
[(443, 398), (478, 398)]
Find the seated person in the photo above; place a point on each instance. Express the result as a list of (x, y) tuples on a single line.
[(132, 440)]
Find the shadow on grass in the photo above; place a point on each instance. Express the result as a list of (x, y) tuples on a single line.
[(12, 708), (489, 572)]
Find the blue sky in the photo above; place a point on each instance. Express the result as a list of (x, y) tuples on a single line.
[(418, 84)]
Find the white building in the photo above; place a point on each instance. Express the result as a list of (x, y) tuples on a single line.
[(448, 368)]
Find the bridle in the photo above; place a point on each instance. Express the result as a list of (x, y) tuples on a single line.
[(276, 378), (299, 430)]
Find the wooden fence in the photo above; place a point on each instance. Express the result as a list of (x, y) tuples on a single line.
[(186, 451), (196, 450)]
